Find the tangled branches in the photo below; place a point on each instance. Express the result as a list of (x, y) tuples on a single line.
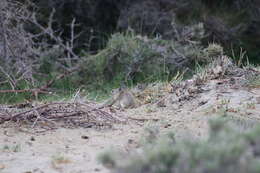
[(17, 55), (60, 114), (27, 45)]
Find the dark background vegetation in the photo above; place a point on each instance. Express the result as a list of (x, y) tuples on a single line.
[(166, 35), (233, 23)]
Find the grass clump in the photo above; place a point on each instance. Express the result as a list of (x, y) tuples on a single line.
[(225, 151)]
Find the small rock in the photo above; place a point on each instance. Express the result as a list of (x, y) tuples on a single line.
[(97, 170), (202, 103), (130, 141), (167, 126), (84, 137)]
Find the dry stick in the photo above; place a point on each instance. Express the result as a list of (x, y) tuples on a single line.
[(143, 119), (38, 117), (49, 32), (34, 92), (22, 91)]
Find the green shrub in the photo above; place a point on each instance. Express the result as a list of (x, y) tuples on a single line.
[(225, 151), (133, 58), (126, 57)]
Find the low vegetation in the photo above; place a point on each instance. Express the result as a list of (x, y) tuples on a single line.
[(225, 150)]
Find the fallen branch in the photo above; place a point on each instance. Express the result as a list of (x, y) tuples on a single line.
[(67, 114), (42, 90), (143, 119), (23, 91)]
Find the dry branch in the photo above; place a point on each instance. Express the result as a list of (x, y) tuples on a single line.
[(44, 88), (71, 114), (21, 52)]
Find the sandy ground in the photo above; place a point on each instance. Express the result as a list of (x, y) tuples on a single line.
[(76, 150)]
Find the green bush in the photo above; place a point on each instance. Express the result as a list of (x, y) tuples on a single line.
[(225, 151), (126, 57), (133, 58)]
